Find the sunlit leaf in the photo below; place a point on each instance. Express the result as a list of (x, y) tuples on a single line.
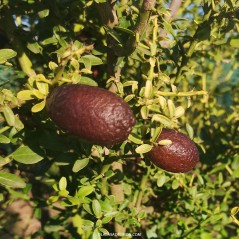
[(6, 54), (62, 183), (80, 164), (144, 148), (11, 180), (96, 208), (38, 107), (9, 115)]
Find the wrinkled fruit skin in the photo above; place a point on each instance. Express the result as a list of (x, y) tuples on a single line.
[(91, 113), (179, 157)]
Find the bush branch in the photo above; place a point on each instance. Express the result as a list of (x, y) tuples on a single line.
[(173, 8), (140, 27)]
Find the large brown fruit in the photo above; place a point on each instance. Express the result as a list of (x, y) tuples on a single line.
[(179, 157), (91, 113)]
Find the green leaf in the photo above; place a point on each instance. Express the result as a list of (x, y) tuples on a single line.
[(94, 60), (69, 201), (96, 208), (175, 184), (106, 219), (43, 13), (25, 155), (63, 193), (96, 234), (51, 40), (154, 108), (62, 183), (165, 142), (80, 164), (129, 97), (114, 34), (38, 107), (88, 81), (25, 95), (162, 119), (161, 180), (155, 133), (6, 54), (144, 148), (144, 111), (9, 115), (11, 180), (43, 87), (52, 199), (4, 161), (179, 111), (190, 130), (4, 139), (171, 108), (148, 89), (87, 208), (34, 47), (87, 225), (18, 123), (234, 42), (125, 30), (85, 190)]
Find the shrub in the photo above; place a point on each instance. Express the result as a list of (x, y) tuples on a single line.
[(175, 64)]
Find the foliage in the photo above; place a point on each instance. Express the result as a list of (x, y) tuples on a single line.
[(177, 73)]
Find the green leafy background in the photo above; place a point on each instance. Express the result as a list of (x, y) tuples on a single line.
[(182, 74)]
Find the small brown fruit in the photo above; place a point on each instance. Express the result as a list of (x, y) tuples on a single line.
[(91, 113), (179, 157)]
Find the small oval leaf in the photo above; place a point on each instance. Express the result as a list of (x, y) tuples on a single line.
[(162, 119), (148, 89), (25, 95), (4, 139), (63, 183), (165, 142), (161, 180), (144, 148), (6, 54), (38, 107), (85, 191), (25, 155), (11, 180), (96, 208), (9, 115), (190, 130), (179, 111), (171, 108), (135, 139), (88, 81), (80, 164)]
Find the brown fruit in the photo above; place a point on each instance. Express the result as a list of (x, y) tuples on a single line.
[(179, 157), (91, 113)]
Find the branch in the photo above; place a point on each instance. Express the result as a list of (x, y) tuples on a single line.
[(174, 6), (109, 18), (140, 27)]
